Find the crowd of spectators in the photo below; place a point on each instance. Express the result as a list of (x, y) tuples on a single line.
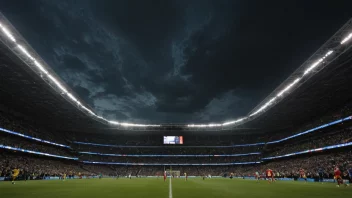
[(326, 139), (170, 160), (290, 167), (94, 169), (25, 126), (35, 166), (321, 139), (190, 170), (22, 143), (212, 140), (342, 112), (170, 150), (157, 140)]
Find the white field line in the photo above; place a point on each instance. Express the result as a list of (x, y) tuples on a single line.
[(170, 188)]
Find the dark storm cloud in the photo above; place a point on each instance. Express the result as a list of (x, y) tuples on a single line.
[(174, 61)]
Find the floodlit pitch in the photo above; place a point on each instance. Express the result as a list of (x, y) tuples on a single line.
[(156, 187)]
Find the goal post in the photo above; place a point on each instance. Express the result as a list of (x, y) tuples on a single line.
[(175, 173)]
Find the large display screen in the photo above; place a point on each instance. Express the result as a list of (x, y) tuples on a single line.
[(173, 139)]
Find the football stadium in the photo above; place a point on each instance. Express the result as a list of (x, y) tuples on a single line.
[(128, 133)]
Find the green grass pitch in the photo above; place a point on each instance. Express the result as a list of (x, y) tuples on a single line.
[(157, 188)]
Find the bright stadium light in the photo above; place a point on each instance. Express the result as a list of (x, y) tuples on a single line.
[(214, 125), (347, 38), (329, 52), (88, 110), (100, 117), (113, 122), (72, 97), (314, 65), (25, 52), (263, 107), (7, 33), (57, 84), (272, 100), (10, 36), (233, 122), (40, 67), (139, 125), (204, 125), (103, 118), (288, 87)]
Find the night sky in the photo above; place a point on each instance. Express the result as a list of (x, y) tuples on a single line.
[(180, 61)]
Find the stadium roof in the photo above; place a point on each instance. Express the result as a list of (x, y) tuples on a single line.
[(317, 94)]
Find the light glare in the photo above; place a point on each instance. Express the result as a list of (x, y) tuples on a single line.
[(40, 67), (7, 33), (113, 122), (57, 83), (72, 97), (288, 87), (25, 52), (347, 38), (318, 62)]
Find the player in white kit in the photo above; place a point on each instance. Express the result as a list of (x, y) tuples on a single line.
[(257, 176)]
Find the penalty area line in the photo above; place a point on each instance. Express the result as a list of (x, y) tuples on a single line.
[(170, 189)]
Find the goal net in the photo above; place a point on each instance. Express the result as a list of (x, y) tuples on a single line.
[(175, 173)]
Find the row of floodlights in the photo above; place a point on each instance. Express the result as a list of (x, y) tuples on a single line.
[(280, 94), (117, 163), (64, 91)]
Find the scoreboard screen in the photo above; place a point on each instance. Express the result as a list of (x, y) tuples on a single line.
[(173, 139)]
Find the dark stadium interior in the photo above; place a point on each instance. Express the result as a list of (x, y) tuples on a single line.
[(303, 135)]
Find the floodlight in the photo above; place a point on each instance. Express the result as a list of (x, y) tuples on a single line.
[(57, 83), (25, 52), (40, 67), (7, 33), (113, 122), (347, 38)]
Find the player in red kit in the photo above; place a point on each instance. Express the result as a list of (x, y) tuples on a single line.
[(337, 176), (269, 175), (164, 175), (302, 174)]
